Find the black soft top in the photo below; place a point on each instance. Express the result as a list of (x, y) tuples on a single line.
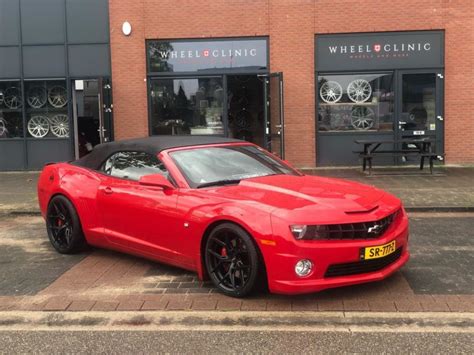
[(152, 145)]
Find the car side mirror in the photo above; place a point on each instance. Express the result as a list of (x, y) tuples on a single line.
[(156, 180)]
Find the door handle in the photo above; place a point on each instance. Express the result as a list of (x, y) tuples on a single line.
[(108, 190)]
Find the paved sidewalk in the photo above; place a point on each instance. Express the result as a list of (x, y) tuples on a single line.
[(448, 188)]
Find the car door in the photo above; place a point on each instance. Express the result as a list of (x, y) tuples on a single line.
[(136, 217)]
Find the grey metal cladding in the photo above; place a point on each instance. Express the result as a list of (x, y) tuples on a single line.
[(42, 22), (9, 22), (87, 21), (12, 155), (45, 151), (89, 60), (10, 62), (44, 61)]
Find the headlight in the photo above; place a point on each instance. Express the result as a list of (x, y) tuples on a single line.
[(301, 231)]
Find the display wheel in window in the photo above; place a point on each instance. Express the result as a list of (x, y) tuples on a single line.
[(37, 97), (57, 96), (3, 128), (1, 97), (12, 98), (38, 126), (362, 118), (330, 92), (243, 119), (59, 125), (359, 91)]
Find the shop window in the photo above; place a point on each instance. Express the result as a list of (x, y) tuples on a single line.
[(187, 106), (46, 109), (11, 122), (356, 102)]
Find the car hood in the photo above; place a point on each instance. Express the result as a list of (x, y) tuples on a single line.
[(300, 198)]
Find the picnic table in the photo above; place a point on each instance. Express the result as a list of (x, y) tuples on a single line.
[(423, 149)]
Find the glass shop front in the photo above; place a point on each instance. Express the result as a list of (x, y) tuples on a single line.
[(215, 87), (386, 86)]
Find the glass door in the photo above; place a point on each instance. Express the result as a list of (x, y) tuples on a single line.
[(421, 108), (274, 115)]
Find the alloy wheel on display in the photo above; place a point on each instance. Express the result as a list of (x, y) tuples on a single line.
[(38, 126), (330, 92), (59, 125), (3, 127), (362, 118), (57, 96), (359, 90), (12, 98), (37, 97)]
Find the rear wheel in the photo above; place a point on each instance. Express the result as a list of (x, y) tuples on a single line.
[(232, 260), (64, 227)]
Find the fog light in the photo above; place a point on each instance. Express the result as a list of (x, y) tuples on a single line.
[(303, 267)]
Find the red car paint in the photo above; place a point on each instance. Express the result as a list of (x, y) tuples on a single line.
[(169, 225)]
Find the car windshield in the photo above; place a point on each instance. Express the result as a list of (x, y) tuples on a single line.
[(211, 166)]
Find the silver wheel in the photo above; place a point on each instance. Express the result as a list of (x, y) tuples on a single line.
[(37, 97), (60, 125), (57, 96), (38, 126), (359, 90), (12, 98), (1, 97), (362, 118), (330, 92)]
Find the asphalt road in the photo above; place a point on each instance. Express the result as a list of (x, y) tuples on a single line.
[(285, 342)]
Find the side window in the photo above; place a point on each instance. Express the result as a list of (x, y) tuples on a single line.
[(133, 165)]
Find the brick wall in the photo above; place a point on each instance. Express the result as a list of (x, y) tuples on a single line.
[(291, 26)]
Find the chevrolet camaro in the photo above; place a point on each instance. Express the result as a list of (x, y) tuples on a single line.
[(226, 209)]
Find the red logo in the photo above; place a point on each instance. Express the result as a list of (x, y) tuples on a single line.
[(206, 53), (377, 47)]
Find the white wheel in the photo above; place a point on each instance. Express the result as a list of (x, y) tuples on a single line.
[(12, 98), (57, 96), (59, 125), (1, 97), (362, 118), (3, 128), (38, 126), (359, 90), (330, 92), (37, 97)]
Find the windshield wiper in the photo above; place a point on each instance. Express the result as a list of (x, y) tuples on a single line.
[(219, 183)]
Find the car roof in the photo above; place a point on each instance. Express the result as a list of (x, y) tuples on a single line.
[(152, 145)]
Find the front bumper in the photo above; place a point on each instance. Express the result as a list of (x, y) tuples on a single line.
[(281, 262)]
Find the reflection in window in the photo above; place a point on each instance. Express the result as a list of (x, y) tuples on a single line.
[(418, 102), (11, 102), (359, 102), (187, 106), (133, 165), (46, 109)]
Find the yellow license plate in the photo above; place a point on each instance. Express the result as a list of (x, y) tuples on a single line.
[(378, 251)]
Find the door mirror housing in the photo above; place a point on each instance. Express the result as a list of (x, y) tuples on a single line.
[(156, 180)]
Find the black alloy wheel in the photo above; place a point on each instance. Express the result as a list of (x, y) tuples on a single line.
[(63, 226), (232, 260)]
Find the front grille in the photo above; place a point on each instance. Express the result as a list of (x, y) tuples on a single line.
[(362, 230), (363, 266)]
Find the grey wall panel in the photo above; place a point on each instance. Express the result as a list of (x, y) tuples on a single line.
[(9, 22), (89, 60), (9, 62), (44, 61), (337, 150), (44, 151), (87, 21), (42, 22), (12, 155)]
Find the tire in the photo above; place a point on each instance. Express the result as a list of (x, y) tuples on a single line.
[(232, 260), (64, 227)]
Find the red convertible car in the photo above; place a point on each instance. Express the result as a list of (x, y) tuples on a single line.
[(226, 209)]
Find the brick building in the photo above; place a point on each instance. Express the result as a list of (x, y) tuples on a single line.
[(336, 71)]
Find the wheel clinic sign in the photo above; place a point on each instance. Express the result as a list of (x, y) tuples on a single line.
[(382, 50), (196, 55)]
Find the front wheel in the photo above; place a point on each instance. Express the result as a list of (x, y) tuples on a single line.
[(64, 227), (232, 260)]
